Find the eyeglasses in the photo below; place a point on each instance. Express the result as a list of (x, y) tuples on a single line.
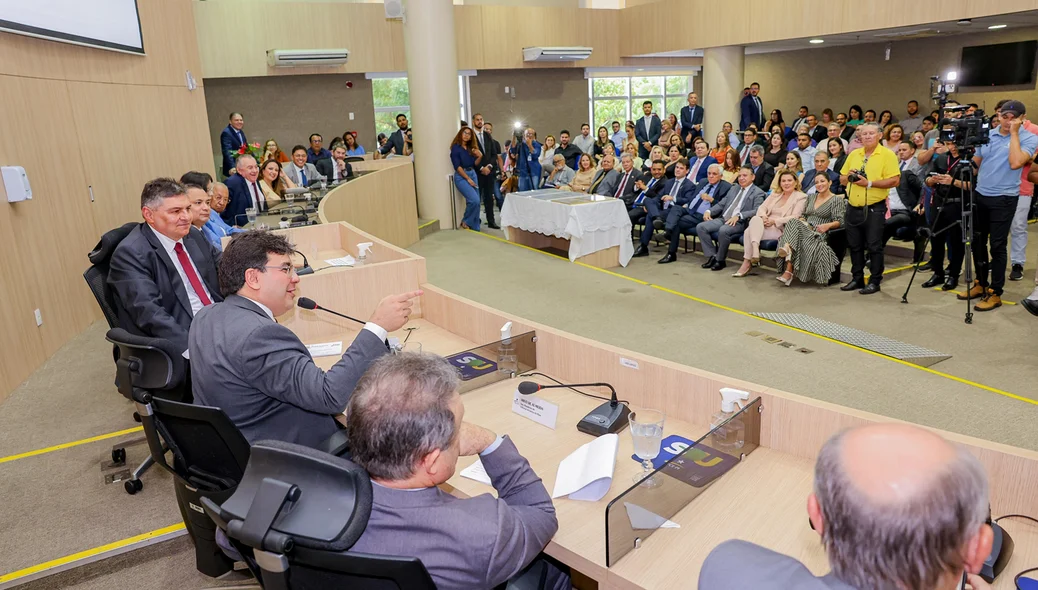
[(285, 268)]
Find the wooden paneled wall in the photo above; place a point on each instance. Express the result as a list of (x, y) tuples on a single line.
[(381, 202), (74, 118)]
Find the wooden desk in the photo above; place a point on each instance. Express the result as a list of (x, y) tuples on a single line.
[(382, 203)]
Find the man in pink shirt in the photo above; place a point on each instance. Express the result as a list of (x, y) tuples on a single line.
[(1018, 229)]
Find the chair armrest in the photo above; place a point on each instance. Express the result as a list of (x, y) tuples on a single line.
[(336, 444)]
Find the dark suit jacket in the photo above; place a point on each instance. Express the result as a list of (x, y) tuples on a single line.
[(749, 113), (490, 151), (701, 173), (229, 146), (629, 192), (395, 140), (151, 299), (738, 565), (688, 119), (240, 200), (764, 176), (260, 374), (834, 176), (477, 542), (324, 166), (820, 134), (748, 208), (654, 192), (684, 193), (653, 136), (719, 193), (910, 189)]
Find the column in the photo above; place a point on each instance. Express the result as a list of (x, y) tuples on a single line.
[(432, 82), (723, 81)]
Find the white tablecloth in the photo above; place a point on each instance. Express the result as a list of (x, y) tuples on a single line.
[(589, 227)]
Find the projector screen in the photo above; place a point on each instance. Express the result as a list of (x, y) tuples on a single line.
[(106, 24)]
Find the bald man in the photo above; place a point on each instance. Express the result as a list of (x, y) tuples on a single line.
[(886, 502)]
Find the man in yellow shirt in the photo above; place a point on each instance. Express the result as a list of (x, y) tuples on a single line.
[(867, 196)]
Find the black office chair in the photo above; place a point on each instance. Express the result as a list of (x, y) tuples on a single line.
[(297, 511), (354, 158), (96, 274), (209, 452)]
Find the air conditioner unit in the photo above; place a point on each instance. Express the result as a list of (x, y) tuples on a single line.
[(556, 53), (280, 58)]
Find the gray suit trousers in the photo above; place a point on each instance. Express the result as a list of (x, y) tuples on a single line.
[(725, 235)]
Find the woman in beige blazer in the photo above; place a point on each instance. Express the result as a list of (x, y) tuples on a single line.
[(780, 206)]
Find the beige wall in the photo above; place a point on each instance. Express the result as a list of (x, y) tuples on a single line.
[(549, 100), (75, 118), (290, 109), (814, 76)]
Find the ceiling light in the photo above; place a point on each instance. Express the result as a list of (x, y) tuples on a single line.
[(816, 41), (997, 27)]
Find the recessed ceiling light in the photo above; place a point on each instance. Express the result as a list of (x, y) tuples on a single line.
[(997, 27), (816, 41)]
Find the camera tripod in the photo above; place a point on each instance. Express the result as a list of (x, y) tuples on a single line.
[(965, 221)]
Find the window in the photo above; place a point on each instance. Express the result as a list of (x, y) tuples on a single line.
[(391, 98), (620, 99)]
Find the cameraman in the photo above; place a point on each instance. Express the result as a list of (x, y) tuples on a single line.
[(869, 173), (951, 186), (998, 191)]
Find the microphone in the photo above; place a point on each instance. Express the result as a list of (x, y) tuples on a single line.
[(607, 418), (307, 303), (306, 270)]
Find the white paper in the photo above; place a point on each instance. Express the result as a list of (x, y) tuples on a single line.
[(537, 409), (325, 349), (477, 472), (642, 519), (588, 472), (346, 260)]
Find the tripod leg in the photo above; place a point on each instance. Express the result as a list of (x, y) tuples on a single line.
[(915, 265)]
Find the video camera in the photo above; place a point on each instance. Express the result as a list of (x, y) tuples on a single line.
[(965, 132)]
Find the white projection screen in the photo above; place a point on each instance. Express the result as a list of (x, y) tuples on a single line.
[(106, 24)]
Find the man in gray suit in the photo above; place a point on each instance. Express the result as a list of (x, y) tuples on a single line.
[(299, 171), (406, 428), (606, 179), (164, 271), (729, 218), (896, 506), (256, 370)]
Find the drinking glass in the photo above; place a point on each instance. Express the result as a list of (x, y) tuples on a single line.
[(647, 434), (250, 214), (290, 198), (415, 347)]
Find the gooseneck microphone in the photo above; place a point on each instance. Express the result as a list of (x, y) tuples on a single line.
[(307, 303), (306, 270), (607, 418)]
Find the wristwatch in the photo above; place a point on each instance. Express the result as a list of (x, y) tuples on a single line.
[(869, 185)]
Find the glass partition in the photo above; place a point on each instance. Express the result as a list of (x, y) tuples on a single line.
[(496, 361), (638, 512)]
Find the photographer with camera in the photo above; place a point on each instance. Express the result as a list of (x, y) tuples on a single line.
[(1010, 148), (951, 185), (869, 173)]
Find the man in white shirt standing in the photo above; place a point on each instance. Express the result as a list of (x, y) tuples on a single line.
[(584, 141)]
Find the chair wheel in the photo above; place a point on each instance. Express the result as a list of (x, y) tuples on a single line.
[(133, 486), (119, 456), (136, 417)]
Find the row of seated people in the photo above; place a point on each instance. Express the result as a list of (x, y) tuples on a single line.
[(170, 284)]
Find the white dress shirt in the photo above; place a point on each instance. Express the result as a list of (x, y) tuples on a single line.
[(168, 245), (256, 193)]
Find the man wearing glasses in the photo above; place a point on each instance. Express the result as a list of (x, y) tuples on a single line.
[(998, 191), (258, 371)]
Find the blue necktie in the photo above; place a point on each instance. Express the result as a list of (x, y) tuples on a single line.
[(709, 190), (302, 175), (641, 197)]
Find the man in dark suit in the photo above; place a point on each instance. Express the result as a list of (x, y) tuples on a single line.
[(817, 132), (800, 120), (335, 169), (164, 271), (659, 195), (396, 140), (485, 167), (626, 185), (690, 207), (821, 166), (647, 130), (691, 119), (244, 191), (729, 218), (256, 370), (407, 430), (763, 173), (699, 163), (231, 139), (751, 109), (749, 139)]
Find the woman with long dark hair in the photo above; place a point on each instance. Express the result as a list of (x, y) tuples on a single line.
[(464, 155)]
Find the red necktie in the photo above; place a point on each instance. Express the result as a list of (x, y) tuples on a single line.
[(189, 270), (623, 183)]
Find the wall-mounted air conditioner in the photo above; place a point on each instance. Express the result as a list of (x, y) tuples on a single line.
[(556, 53), (280, 58)]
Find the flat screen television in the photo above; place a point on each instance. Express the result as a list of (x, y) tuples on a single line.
[(1004, 64)]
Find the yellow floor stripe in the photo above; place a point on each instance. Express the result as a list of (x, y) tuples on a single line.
[(805, 332), (427, 224), (89, 553), (67, 445)]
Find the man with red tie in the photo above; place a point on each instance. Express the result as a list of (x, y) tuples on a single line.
[(243, 187), (164, 271)]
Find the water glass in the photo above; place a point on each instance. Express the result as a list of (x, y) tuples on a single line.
[(290, 198), (250, 214), (647, 434)]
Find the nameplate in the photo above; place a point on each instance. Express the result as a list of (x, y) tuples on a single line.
[(537, 409)]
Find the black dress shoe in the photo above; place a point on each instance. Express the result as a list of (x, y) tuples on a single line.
[(709, 262), (869, 289), (668, 258), (854, 285), (493, 225), (719, 265), (657, 223), (925, 266), (933, 281), (950, 284), (1030, 305), (640, 251)]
